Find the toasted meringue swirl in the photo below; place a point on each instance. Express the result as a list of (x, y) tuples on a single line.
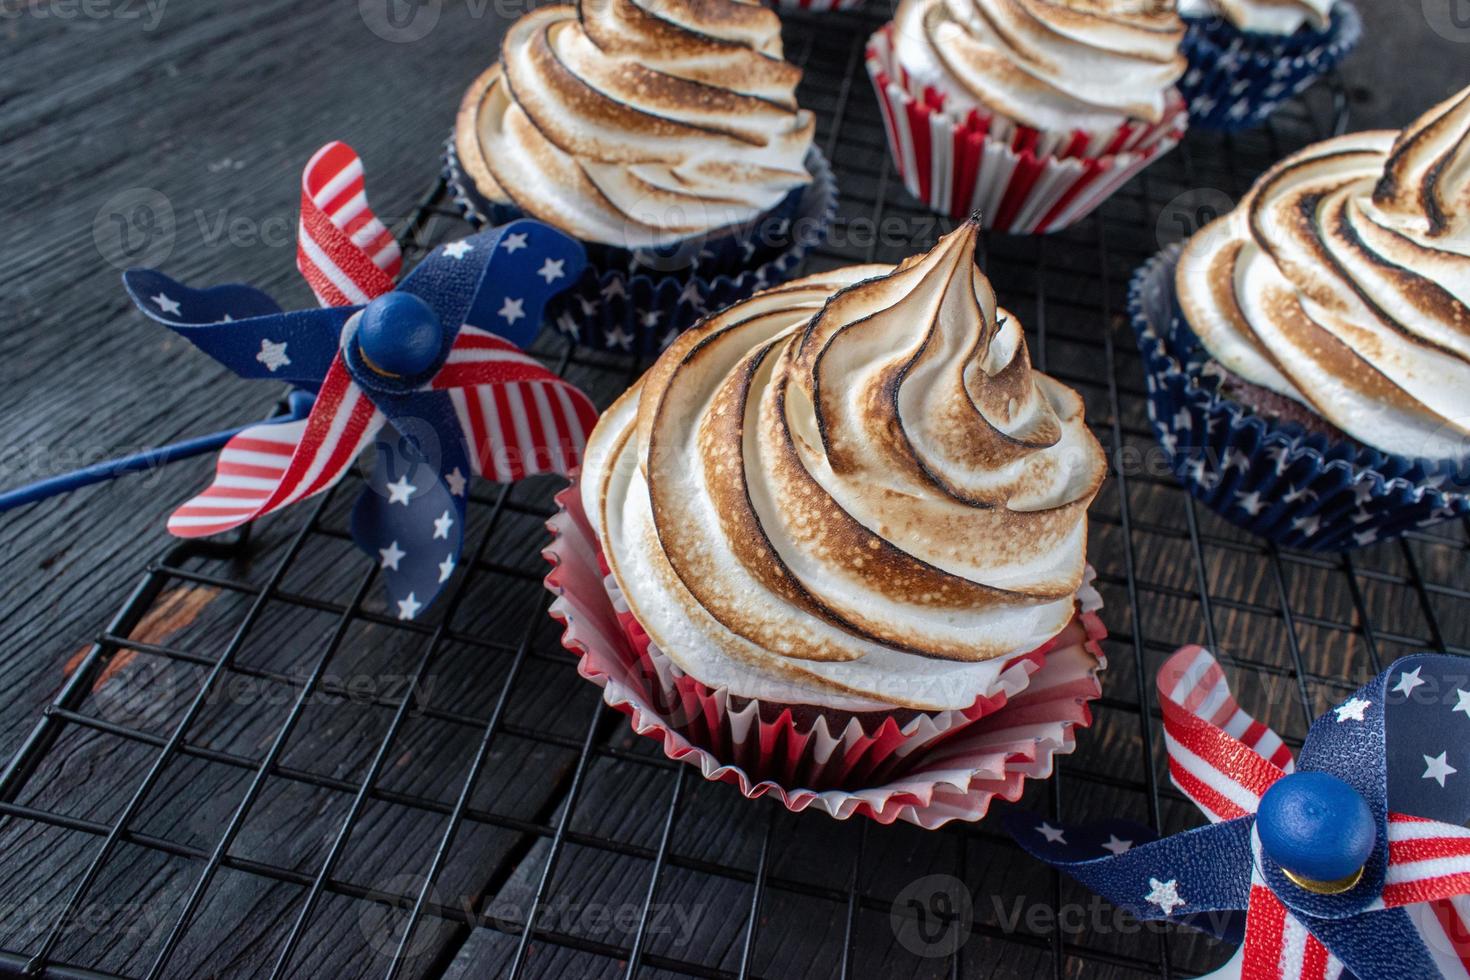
[(638, 122), (854, 487), (1342, 281), (1054, 65), (1264, 16)]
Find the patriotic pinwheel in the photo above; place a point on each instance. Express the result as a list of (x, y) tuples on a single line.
[(1355, 861), (414, 369)]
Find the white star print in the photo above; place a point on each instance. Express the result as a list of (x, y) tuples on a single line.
[(1251, 502), (401, 491), (456, 482), (409, 608), (1199, 472), (273, 355), (1235, 459), (1463, 698), (1165, 895), (691, 294), (1307, 525), (650, 320), (1352, 709), (446, 569), (1117, 846), (513, 310), (458, 250), (1366, 537), (169, 306), (514, 243), (1052, 834), (1437, 769), (1299, 493), (392, 555), (552, 269), (614, 288), (618, 337), (1408, 680), (442, 526), (1362, 491)]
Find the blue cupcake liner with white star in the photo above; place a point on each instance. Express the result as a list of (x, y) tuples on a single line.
[(1270, 477), (637, 302), (1237, 78)]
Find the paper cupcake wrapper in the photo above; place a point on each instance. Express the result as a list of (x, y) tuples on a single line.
[(1021, 180), (951, 775), (1272, 478), (624, 303), (1237, 78)]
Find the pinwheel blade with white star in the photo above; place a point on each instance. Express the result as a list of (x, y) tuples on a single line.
[(1352, 861), (429, 371)]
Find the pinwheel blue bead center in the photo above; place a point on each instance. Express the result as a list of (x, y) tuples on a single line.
[(1318, 828), (400, 336)]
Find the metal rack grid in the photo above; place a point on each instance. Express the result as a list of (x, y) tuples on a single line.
[(256, 771)]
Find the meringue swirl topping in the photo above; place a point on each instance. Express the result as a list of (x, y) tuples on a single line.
[(1263, 16), (854, 487), (638, 123), (1342, 280), (1054, 65)]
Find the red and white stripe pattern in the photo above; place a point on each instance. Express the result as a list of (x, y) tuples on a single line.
[(268, 467), (519, 418), (1444, 925), (346, 254), (1021, 180), (1224, 760), (1427, 860), (1278, 945), (1219, 756)]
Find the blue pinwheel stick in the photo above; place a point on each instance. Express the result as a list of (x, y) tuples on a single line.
[(298, 407)]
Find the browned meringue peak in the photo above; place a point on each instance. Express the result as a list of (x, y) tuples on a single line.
[(1343, 281), (1427, 175), (638, 123), (878, 469), (1055, 65)]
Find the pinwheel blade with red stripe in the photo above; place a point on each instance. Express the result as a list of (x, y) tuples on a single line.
[(421, 371), (1405, 913)]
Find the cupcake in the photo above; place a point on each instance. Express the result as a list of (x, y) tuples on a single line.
[(1246, 57), (845, 525), (1309, 353), (666, 138), (1030, 111)]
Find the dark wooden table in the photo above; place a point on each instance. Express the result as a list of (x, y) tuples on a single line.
[(204, 113)]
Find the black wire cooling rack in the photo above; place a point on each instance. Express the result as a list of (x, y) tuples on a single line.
[(256, 771)]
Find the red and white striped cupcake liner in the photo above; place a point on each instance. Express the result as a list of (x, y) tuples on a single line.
[(1021, 180), (927, 769)]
